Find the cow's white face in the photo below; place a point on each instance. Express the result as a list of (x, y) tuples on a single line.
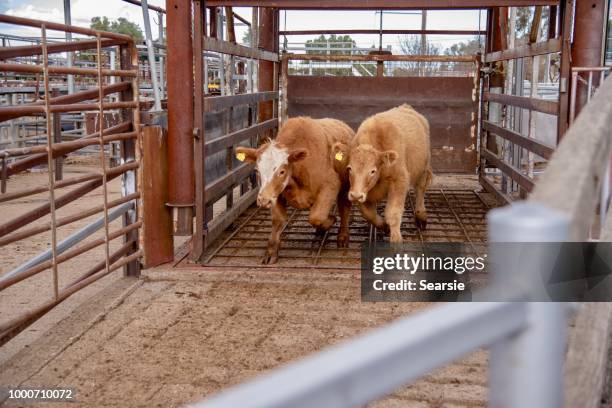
[(272, 164), (274, 167)]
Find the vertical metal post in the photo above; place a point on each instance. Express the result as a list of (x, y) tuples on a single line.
[(284, 86), (589, 29), (57, 138), (423, 65), (572, 107), (102, 153), (69, 55), (160, 39), (199, 28), (50, 161), (180, 113), (266, 68), (565, 11), (380, 31), (128, 59), (254, 44), (151, 55), (526, 370)]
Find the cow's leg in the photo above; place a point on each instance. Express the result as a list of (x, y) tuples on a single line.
[(344, 209), (320, 216), (420, 212), (368, 209), (396, 199), (279, 217)]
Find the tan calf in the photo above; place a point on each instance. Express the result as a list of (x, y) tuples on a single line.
[(389, 154), (299, 169)]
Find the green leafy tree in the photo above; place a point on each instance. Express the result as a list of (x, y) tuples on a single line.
[(470, 47), (524, 18), (320, 45), (246, 37), (119, 26)]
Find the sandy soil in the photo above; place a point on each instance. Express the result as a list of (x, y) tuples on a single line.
[(34, 291), (185, 334)]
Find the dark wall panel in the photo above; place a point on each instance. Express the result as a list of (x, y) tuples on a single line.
[(449, 104)]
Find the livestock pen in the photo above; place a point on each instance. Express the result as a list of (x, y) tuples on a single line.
[(197, 311)]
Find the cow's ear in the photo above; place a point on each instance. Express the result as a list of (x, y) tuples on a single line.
[(388, 157), (297, 154), (246, 154), (340, 151)]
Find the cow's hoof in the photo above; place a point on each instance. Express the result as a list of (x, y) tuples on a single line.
[(421, 224), (395, 238), (269, 259), (343, 240), (319, 232)]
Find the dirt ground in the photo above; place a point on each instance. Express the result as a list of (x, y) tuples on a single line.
[(20, 297), (178, 335)]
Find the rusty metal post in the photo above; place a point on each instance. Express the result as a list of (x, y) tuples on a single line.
[(565, 11), (199, 31), (284, 87), (552, 22), (128, 58), (57, 138), (589, 28), (499, 28), (380, 68), (181, 186), (157, 217), (267, 30)]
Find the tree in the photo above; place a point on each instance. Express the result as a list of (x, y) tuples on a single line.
[(119, 26), (524, 18), (322, 43), (246, 37), (470, 47), (411, 45)]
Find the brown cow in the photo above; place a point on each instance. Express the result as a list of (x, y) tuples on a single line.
[(300, 169), (390, 153)]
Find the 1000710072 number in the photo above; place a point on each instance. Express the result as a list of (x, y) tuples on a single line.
[(39, 394)]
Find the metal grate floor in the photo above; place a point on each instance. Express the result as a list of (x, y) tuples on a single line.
[(453, 216)]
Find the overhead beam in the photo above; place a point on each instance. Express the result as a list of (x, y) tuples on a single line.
[(385, 32), (149, 6), (379, 4)]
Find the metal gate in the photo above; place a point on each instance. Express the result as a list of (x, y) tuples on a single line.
[(512, 150), (101, 89)]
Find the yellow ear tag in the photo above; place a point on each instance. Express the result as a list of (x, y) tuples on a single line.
[(339, 156), (241, 156)]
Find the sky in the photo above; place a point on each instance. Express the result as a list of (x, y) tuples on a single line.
[(84, 10)]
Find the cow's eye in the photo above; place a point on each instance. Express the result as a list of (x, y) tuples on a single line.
[(349, 168), (372, 171), (282, 173)]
